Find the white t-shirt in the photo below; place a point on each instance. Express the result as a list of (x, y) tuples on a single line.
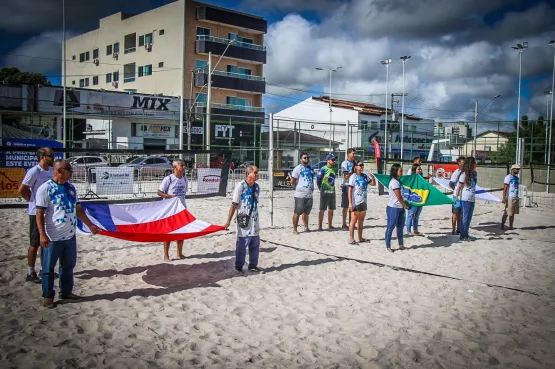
[(175, 186), (34, 178), (346, 167), (305, 181), (359, 183), (455, 176), (243, 196), (468, 193), (60, 202), (394, 184), (512, 182)]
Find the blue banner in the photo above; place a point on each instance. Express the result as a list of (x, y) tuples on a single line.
[(26, 159)]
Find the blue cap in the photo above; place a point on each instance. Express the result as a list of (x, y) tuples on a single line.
[(331, 157)]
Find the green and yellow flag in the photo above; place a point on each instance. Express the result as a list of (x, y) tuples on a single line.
[(417, 191)]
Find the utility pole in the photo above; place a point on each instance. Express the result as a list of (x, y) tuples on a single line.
[(393, 102)]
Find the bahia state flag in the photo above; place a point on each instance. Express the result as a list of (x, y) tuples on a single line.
[(157, 221), (417, 191)]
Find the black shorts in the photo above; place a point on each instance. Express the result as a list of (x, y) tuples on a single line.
[(327, 201), (345, 197), (34, 236), (303, 205), (456, 211), (361, 207)]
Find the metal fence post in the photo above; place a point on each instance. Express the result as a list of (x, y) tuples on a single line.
[(271, 169)]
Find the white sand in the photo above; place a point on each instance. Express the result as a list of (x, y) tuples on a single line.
[(309, 309)]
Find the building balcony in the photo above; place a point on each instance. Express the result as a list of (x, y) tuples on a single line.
[(222, 16), (231, 110), (237, 50), (231, 81)]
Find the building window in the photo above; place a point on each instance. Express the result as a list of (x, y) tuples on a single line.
[(487, 148), (245, 71), (109, 50), (231, 68), (81, 57), (201, 64), (81, 83), (73, 57), (73, 82), (108, 77), (86, 82), (148, 39), (232, 100), (201, 31), (95, 53), (201, 97), (87, 56), (244, 40), (161, 65), (140, 71), (116, 47), (141, 40), (148, 70), (161, 32), (115, 76), (232, 36), (95, 80)]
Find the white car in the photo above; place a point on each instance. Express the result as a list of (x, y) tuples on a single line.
[(88, 161)]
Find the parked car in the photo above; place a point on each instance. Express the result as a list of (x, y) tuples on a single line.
[(88, 161), (151, 166), (316, 167)]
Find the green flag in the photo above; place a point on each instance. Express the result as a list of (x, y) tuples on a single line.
[(417, 191)]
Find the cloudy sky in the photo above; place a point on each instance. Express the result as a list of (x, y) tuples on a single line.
[(460, 50)]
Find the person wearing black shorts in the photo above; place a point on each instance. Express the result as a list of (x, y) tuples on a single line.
[(346, 168), (302, 178)]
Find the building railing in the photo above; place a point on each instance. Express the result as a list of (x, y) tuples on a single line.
[(129, 50), (231, 74), (232, 107), (225, 41), (128, 79)]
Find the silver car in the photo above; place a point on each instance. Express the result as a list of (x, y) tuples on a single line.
[(88, 161), (151, 166)]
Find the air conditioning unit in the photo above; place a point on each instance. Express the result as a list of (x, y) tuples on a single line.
[(96, 62), (115, 55), (148, 47), (115, 84)]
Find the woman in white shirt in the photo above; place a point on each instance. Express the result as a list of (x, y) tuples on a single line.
[(466, 191), (395, 208), (358, 198)]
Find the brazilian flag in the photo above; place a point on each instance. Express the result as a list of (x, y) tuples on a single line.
[(417, 191)]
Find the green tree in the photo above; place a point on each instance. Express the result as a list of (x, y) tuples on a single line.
[(14, 75)]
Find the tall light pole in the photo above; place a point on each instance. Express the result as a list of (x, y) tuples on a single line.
[(330, 70), (386, 62), (181, 100), (404, 60), (64, 125), (209, 91), (546, 121), (520, 48), (476, 120), (551, 43)]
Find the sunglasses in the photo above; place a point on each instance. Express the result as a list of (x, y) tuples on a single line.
[(69, 170), (360, 165), (305, 157), (49, 155)]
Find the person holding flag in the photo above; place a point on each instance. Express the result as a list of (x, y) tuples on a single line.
[(414, 211), (456, 207), (510, 197), (358, 198), (466, 191), (395, 208)]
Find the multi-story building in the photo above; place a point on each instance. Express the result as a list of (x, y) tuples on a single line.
[(142, 53), (458, 132)]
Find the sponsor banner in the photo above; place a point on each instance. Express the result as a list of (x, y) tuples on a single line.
[(103, 103), (156, 131), (10, 180), (114, 181), (208, 180), (26, 159), (282, 180)]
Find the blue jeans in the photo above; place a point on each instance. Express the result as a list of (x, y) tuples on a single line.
[(253, 243), (412, 218), (467, 211), (66, 251), (395, 219)]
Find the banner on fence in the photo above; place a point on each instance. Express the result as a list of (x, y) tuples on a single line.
[(282, 180), (114, 181), (208, 180), (10, 180), (26, 159)]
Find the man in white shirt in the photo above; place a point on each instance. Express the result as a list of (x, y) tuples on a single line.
[(346, 168), (302, 178), (175, 185), (456, 209), (34, 178), (245, 202), (57, 211), (510, 196)]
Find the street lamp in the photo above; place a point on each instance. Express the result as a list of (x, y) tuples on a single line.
[(331, 70), (386, 62), (551, 43), (476, 120), (209, 90), (520, 48), (404, 60)]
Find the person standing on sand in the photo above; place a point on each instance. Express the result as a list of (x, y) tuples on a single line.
[(395, 210), (415, 211), (34, 178), (302, 178), (346, 168), (57, 211), (510, 197), (456, 207), (245, 202), (467, 193), (326, 184), (358, 199), (175, 185)]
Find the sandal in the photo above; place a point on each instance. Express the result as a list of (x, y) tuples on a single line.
[(363, 240), (353, 242)]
